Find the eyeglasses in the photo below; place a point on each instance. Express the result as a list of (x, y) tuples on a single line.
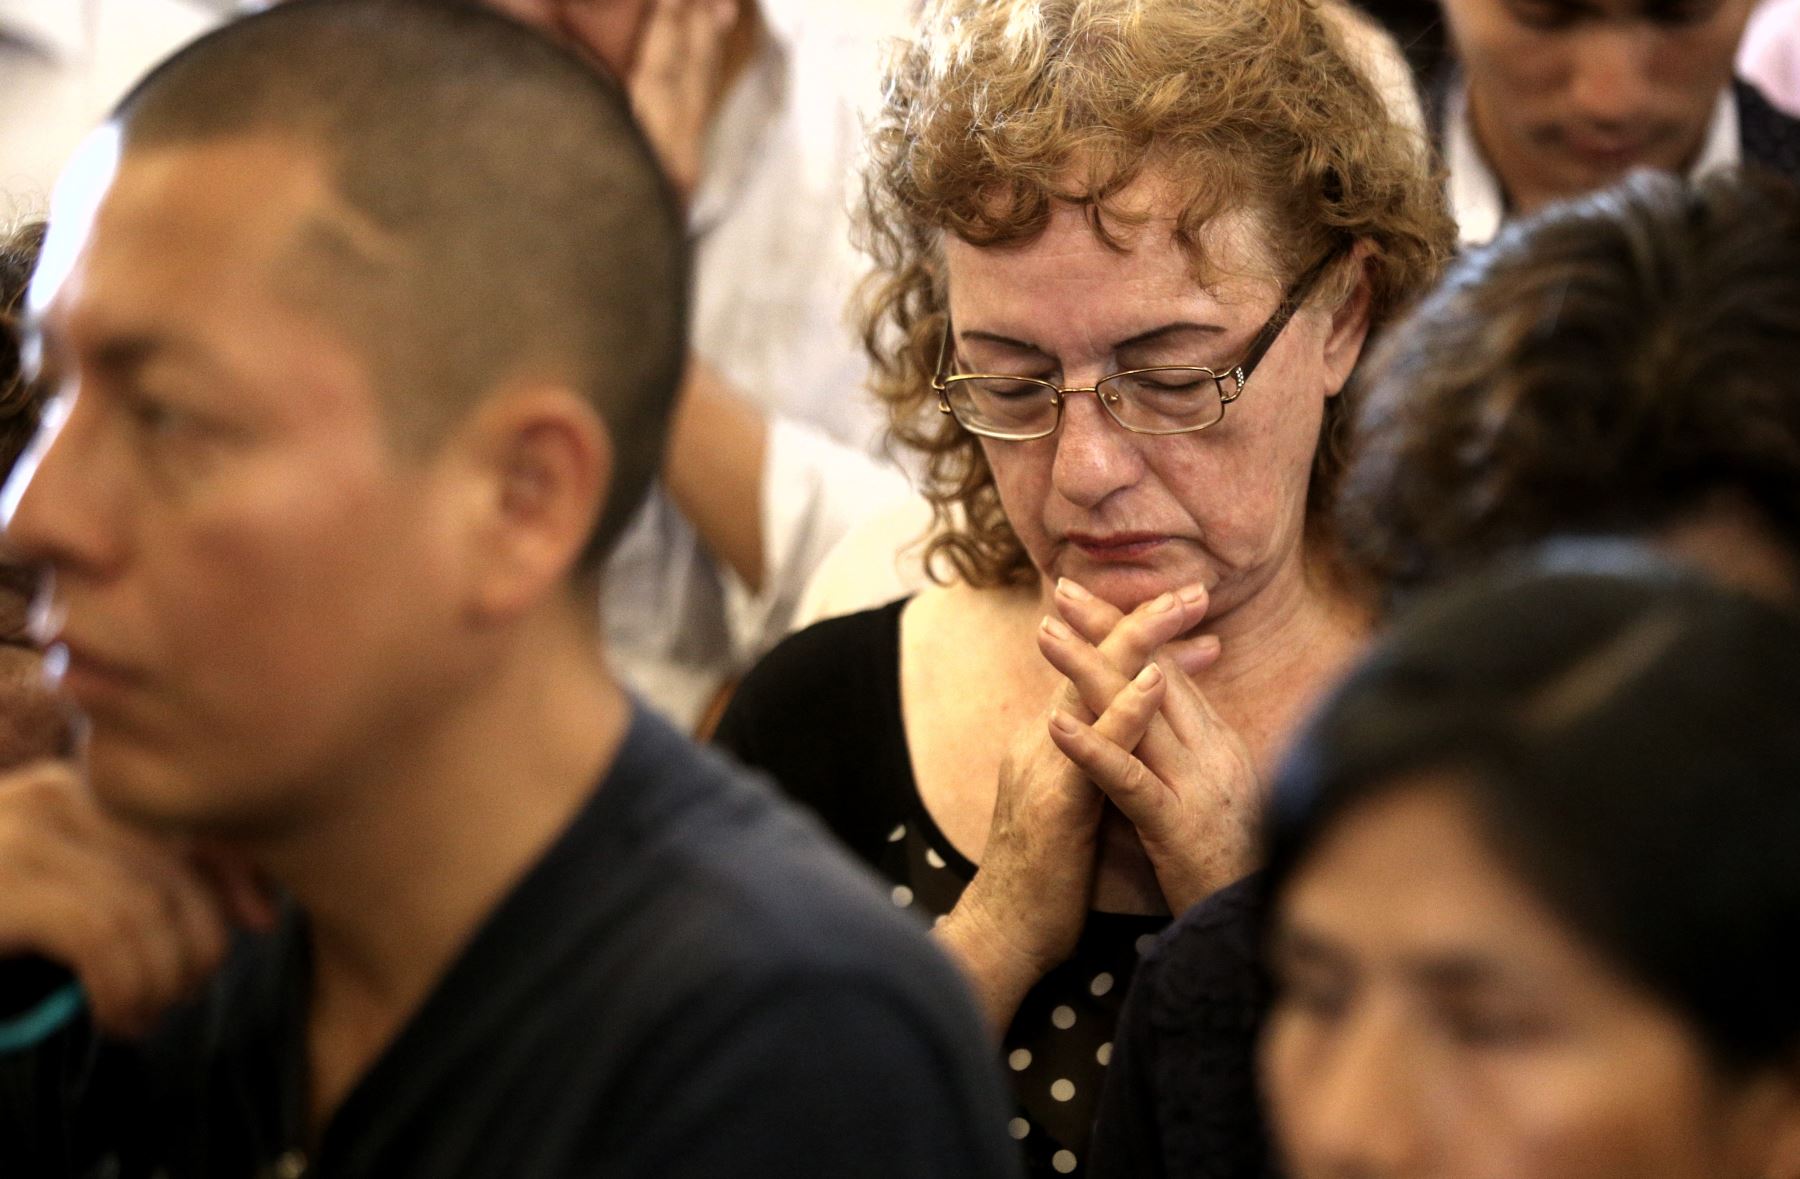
[(1166, 399)]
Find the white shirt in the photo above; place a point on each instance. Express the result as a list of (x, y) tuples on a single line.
[(1479, 203), (63, 63), (1769, 55), (774, 274)]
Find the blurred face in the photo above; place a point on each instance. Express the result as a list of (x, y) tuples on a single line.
[(252, 587), (1568, 95), (1728, 539), (1131, 515), (1435, 1020), (606, 30)]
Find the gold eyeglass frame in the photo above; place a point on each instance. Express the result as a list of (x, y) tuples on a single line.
[(1239, 374)]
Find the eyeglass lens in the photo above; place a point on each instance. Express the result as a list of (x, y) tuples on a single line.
[(1164, 400)]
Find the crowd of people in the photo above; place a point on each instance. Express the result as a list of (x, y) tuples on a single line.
[(1308, 499)]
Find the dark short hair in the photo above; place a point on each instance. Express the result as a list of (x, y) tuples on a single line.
[(1627, 742), (1604, 366), (20, 399), (533, 228)]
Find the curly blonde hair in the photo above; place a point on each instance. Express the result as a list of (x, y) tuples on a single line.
[(19, 399), (999, 109)]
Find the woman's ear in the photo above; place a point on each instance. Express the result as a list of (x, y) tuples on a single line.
[(1348, 328), (542, 463)]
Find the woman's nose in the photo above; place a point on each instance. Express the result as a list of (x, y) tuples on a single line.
[(1361, 1117), (1095, 456)]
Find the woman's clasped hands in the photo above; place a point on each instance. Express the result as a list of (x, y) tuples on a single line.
[(1167, 760), (1127, 725)]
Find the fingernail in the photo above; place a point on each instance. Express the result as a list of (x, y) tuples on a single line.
[(1072, 589), (1055, 629), (1194, 594), (1149, 677), (1163, 604), (1061, 721)]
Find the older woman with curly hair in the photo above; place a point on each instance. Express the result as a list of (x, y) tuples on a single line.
[(1130, 251), (33, 721)]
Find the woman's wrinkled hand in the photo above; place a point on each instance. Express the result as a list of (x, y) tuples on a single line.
[(1189, 784), (1024, 911)]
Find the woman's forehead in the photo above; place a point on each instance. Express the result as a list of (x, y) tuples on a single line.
[(1070, 263)]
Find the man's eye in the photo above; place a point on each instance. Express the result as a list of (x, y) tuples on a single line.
[(150, 417), (156, 417)]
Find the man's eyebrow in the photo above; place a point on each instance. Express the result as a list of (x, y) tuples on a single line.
[(120, 353), (127, 352)]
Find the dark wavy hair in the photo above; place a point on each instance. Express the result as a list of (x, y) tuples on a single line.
[(1626, 741), (1605, 366)]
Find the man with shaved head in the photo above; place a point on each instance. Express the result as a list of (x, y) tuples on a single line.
[(361, 322)]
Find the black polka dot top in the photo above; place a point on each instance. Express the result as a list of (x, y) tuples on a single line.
[(822, 715)]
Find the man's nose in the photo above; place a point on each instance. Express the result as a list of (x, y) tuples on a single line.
[(1613, 82), (54, 505)]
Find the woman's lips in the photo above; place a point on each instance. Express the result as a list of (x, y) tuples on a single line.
[(1117, 546)]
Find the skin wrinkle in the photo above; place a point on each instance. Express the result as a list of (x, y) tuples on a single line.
[(1228, 509)]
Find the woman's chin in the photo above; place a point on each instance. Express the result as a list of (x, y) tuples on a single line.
[(1129, 586)]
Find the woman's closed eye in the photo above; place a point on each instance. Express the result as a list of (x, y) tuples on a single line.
[(1490, 1020), (1181, 380), (1308, 984)]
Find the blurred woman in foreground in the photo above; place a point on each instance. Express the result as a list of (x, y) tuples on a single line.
[(1535, 911)]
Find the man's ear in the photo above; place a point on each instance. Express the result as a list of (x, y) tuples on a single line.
[(1771, 1123), (542, 461), (1348, 329)]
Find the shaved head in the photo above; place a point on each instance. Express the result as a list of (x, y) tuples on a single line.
[(497, 214)]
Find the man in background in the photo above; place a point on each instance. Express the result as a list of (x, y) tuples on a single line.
[(1555, 98)]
